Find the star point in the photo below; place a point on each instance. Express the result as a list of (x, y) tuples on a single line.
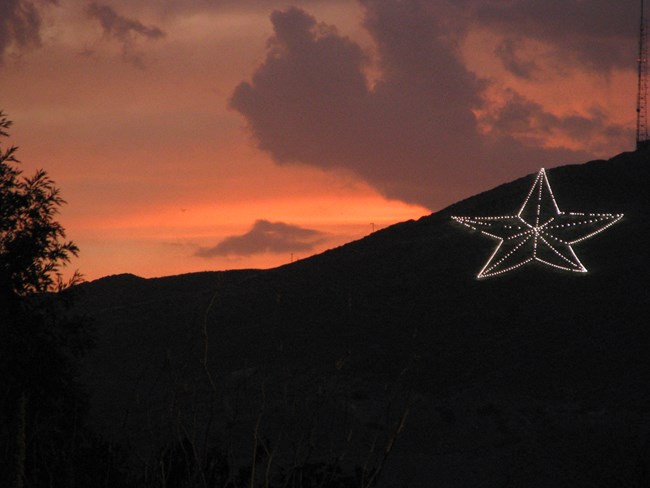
[(539, 232)]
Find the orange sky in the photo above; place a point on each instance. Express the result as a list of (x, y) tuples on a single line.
[(137, 133)]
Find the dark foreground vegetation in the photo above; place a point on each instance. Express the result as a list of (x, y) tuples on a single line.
[(46, 436)]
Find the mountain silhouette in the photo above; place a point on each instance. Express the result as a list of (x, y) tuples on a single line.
[(537, 377)]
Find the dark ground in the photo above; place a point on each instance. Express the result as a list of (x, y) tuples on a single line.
[(536, 378)]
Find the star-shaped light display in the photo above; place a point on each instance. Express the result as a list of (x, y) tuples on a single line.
[(539, 232)]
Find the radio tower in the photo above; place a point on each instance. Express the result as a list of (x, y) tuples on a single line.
[(642, 139)]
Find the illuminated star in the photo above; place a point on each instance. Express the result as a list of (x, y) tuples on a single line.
[(539, 232)]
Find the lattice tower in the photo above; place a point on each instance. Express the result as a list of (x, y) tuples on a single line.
[(642, 139)]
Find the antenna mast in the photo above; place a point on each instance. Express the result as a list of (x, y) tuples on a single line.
[(642, 140)]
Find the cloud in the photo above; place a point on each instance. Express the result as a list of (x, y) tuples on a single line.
[(598, 34), (20, 26), (124, 30), (510, 53), (527, 120), (193, 7), (266, 237), (413, 135)]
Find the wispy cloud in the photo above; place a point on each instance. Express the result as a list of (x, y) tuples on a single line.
[(526, 120), (125, 30), (266, 237), (594, 34), (20, 25)]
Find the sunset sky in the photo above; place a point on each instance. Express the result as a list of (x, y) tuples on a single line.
[(192, 135)]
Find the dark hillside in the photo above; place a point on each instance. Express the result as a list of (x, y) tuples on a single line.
[(534, 378)]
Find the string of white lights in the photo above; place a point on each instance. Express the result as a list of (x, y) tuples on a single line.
[(539, 232)]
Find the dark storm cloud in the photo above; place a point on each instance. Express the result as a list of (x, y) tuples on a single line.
[(124, 29), (596, 33), (20, 25), (413, 135), (266, 237)]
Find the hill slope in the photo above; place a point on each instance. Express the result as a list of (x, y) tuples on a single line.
[(533, 378)]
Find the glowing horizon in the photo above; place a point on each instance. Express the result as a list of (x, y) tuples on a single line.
[(157, 129)]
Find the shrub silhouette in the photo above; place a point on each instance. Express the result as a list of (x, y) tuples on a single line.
[(43, 441)]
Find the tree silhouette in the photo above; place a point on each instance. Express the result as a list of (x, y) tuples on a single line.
[(41, 344), (32, 242)]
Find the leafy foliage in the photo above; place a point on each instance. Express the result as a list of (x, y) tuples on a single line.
[(32, 242), (42, 405)]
